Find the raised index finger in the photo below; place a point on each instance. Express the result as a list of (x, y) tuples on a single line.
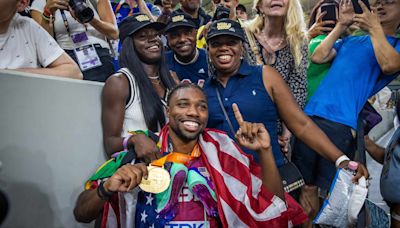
[(237, 113)]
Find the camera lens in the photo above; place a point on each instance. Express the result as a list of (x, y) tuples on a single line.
[(82, 11)]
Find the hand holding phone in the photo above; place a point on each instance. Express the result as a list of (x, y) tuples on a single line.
[(357, 7), (329, 11)]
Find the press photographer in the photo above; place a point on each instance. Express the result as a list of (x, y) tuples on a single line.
[(83, 29)]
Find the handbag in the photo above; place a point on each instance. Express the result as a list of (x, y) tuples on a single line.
[(371, 117), (290, 174)]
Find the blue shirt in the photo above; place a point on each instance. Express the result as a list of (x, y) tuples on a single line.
[(247, 90), (354, 76), (196, 72)]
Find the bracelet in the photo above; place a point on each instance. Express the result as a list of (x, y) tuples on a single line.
[(125, 142), (132, 133), (48, 19), (46, 12), (341, 159), (102, 193)]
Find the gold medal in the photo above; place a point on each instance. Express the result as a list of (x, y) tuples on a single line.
[(157, 181)]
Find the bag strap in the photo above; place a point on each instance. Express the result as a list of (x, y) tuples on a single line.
[(224, 111), (252, 43)]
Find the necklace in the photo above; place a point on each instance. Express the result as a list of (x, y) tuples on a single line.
[(272, 47), (196, 56)]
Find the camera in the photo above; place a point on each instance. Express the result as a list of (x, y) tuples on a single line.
[(82, 11), (221, 12)]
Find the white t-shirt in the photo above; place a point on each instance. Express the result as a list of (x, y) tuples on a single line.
[(27, 45), (62, 36)]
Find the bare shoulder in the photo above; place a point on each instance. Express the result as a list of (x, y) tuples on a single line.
[(117, 86)]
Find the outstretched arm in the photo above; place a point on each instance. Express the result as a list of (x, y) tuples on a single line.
[(300, 124), (254, 136), (63, 66)]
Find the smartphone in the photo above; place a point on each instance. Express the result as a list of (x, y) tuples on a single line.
[(357, 7), (330, 14)]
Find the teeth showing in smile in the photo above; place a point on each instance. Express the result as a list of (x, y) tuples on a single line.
[(154, 47), (190, 125), (225, 57)]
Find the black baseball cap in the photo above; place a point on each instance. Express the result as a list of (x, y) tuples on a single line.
[(179, 20), (134, 23), (225, 26)]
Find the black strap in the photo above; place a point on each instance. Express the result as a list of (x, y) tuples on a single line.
[(224, 111)]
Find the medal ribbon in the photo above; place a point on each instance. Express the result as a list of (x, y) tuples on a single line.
[(178, 157)]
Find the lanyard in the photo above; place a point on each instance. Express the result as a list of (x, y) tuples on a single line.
[(178, 157), (66, 24)]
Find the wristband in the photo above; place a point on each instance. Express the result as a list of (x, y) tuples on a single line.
[(341, 159), (102, 193)]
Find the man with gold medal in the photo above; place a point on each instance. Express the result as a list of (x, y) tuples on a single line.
[(225, 186)]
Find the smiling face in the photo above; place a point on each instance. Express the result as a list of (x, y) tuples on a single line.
[(182, 41), (188, 113), (225, 52), (274, 8), (148, 45)]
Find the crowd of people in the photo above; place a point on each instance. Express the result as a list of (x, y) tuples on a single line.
[(223, 101)]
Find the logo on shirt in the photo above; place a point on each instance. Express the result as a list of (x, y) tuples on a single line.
[(254, 92), (201, 71)]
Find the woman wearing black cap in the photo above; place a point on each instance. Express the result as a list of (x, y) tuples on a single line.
[(133, 98), (259, 91)]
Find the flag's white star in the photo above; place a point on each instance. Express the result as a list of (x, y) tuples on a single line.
[(152, 226), (143, 217), (149, 200)]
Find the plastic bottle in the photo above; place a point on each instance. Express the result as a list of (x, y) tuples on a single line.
[(352, 167)]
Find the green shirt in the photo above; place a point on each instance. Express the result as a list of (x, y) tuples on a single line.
[(315, 72)]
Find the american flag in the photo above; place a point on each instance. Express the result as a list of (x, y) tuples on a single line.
[(242, 199)]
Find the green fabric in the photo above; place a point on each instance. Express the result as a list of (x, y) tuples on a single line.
[(315, 72), (108, 168)]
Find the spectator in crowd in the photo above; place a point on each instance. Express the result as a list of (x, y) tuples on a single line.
[(241, 12), (318, 30), (362, 65), (389, 158), (125, 8), (278, 38), (25, 46), (259, 91), (210, 149), (188, 62), (193, 8), (87, 42), (134, 98)]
